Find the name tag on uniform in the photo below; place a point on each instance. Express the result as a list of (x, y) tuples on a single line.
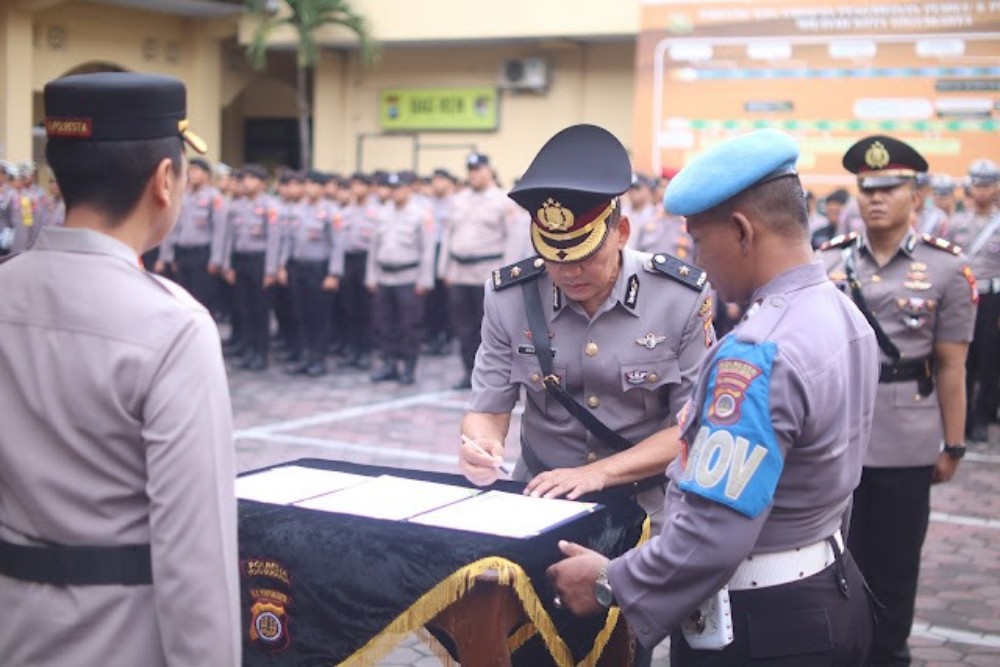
[(530, 349)]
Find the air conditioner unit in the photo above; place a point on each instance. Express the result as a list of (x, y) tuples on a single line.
[(524, 74)]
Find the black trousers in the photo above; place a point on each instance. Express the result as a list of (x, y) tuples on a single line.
[(888, 526), (310, 307), (399, 318), (982, 370), (192, 273), (437, 320), (252, 301), (357, 328), (801, 624), (466, 304)]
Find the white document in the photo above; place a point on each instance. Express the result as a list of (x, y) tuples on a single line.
[(388, 497), (288, 484), (506, 514)]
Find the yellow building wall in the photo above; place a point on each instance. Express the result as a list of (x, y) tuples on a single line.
[(590, 83)]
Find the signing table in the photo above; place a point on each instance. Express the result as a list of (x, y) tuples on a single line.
[(321, 584)]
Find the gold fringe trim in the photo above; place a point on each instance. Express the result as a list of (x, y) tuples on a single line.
[(455, 586), (521, 636), (449, 591)]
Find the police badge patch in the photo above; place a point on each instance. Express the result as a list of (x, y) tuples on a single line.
[(268, 605)]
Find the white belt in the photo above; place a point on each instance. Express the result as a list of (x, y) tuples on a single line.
[(988, 286), (783, 567)]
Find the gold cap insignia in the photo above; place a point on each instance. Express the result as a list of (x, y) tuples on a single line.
[(554, 216), (876, 156)]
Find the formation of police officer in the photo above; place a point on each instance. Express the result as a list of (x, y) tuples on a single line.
[(117, 517), (750, 562), (25, 208)]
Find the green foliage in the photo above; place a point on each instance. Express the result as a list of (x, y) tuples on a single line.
[(306, 17)]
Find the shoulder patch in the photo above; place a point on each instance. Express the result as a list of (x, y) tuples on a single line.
[(941, 244), (679, 270), (517, 273), (841, 241), (735, 459)]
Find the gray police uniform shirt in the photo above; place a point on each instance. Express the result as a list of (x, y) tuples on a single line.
[(359, 221), (633, 365), (222, 230), (117, 430), (920, 297), (311, 236), (20, 215), (785, 399), (645, 226), (201, 211), (402, 250), (251, 222), (665, 233), (476, 238), (965, 229)]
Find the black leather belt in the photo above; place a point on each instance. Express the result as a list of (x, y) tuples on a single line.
[(921, 370), (466, 259), (127, 565), (396, 268)]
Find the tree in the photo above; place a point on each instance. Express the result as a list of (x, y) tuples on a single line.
[(305, 17)]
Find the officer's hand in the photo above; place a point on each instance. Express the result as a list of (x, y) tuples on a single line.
[(569, 482), (420, 291), (268, 281), (480, 460), (282, 277), (212, 268), (944, 469), (229, 275), (372, 289), (331, 283), (575, 577)]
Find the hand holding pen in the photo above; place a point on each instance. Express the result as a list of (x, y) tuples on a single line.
[(481, 460)]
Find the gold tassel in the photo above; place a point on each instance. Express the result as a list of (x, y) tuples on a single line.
[(521, 636)]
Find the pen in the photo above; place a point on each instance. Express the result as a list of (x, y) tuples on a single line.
[(469, 441)]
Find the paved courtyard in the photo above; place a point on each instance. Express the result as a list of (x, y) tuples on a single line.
[(344, 416)]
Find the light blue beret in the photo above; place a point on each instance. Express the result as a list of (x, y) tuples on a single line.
[(729, 168)]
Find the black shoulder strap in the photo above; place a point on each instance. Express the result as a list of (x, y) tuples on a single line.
[(543, 350), (884, 343)]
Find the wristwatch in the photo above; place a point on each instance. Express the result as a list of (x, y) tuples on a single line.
[(602, 589), (956, 452)]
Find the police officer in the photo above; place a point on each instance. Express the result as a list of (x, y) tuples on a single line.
[(310, 268), (928, 218), (749, 565), (253, 220), (291, 210), (943, 191), (476, 240), (400, 273), (643, 214), (188, 247), (359, 220), (977, 232), (117, 515), (436, 313), (915, 290), (588, 327)]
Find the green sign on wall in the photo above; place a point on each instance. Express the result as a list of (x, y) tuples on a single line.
[(423, 109)]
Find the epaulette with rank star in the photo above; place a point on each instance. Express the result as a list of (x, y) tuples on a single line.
[(517, 273), (941, 244), (681, 271), (841, 241)]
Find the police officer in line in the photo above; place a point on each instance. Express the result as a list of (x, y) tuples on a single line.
[(643, 214), (476, 240), (359, 220), (233, 345), (399, 274), (189, 247), (19, 213), (927, 217), (437, 320), (291, 209), (943, 191), (977, 232), (588, 327), (311, 270), (117, 517), (915, 291), (252, 221), (750, 560)]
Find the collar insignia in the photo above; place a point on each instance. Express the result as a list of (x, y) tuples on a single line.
[(632, 294)]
